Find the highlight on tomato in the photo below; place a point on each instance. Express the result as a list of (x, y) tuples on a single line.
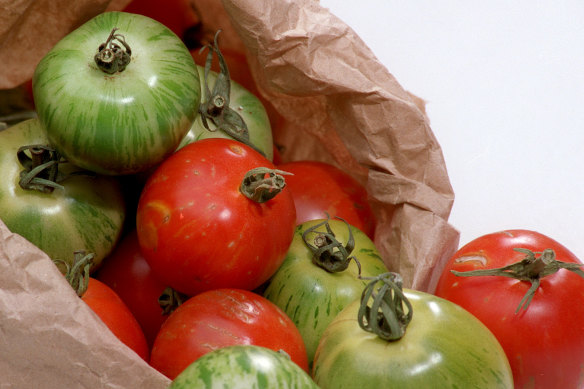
[(526, 288), (219, 318), (117, 94), (400, 338), (55, 205), (215, 214)]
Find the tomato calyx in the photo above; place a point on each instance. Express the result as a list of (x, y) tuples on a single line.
[(390, 311), (78, 275), (262, 184), (170, 300), (41, 168), (111, 57), (532, 268), (216, 109), (327, 252)]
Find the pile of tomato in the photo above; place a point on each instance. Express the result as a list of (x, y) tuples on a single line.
[(152, 180)]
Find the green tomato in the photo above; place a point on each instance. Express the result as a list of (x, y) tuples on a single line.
[(243, 367), (126, 121), (312, 296), (444, 346), (248, 106), (86, 213)]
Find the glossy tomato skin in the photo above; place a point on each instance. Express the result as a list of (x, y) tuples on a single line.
[(121, 123), (87, 214), (199, 232), (246, 104), (220, 318), (310, 295), (128, 274), (319, 187), (116, 316), (444, 346), (545, 343), (243, 367)]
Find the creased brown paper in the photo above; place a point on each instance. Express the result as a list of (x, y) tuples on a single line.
[(49, 338), (338, 104)]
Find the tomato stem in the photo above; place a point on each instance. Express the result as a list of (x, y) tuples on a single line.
[(111, 57), (390, 311), (78, 274), (41, 168), (532, 268), (170, 299), (216, 109), (262, 184), (327, 252)]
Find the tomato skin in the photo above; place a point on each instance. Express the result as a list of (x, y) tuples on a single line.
[(121, 123), (310, 295), (87, 214), (443, 347), (545, 343), (220, 318), (319, 187), (128, 274), (116, 316), (199, 232), (243, 367)]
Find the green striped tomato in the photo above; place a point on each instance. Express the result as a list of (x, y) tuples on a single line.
[(444, 346), (127, 121), (87, 214), (248, 106), (243, 367), (312, 296)]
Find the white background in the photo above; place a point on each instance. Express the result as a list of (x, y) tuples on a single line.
[(504, 85)]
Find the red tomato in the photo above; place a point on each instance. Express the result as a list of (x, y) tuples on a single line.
[(544, 342), (196, 228), (177, 15), (220, 318), (318, 187), (116, 315), (129, 275)]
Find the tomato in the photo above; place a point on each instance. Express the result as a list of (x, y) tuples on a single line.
[(313, 296), (239, 114), (177, 15), (197, 229), (106, 304), (243, 367), (128, 274), (126, 121), (543, 338), (220, 318), (319, 188), (440, 345), (82, 212)]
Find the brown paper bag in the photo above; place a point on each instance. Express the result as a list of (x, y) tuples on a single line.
[(338, 103)]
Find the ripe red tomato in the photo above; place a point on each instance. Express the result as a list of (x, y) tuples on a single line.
[(319, 188), (220, 318), (129, 275), (544, 342), (116, 315), (198, 231)]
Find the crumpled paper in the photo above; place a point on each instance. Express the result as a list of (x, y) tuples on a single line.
[(337, 103)]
